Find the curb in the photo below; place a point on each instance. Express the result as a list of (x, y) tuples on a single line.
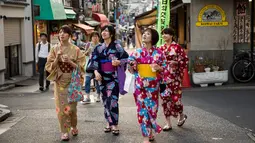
[(251, 136), (4, 112), (221, 88)]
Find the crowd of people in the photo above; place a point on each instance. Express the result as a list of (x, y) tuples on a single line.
[(158, 73)]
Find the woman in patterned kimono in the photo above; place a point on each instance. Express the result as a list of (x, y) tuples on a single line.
[(147, 64), (105, 59), (62, 59), (177, 61)]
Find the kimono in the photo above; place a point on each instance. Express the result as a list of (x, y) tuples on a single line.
[(61, 75), (172, 105), (147, 90), (109, 86)]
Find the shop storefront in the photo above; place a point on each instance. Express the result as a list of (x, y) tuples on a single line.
[(214, 29), (49, 18), (16, 40)]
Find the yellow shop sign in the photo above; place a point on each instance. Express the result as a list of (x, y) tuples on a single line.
[(212, 15)]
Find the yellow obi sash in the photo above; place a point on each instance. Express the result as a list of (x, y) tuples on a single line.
[(145, 70)]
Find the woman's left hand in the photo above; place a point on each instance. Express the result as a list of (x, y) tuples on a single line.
[(116, 63)]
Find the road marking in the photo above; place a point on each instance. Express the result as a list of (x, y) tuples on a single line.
[(8, 123), (217, 138), (238, 116)]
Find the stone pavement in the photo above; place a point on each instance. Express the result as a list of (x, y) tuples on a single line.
[(38, 121)]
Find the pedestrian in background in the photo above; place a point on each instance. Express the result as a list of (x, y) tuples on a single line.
[(89, 48), (42, 52), (177, 61), (62, 60), (147, 64), (105, 58), (77, 42)]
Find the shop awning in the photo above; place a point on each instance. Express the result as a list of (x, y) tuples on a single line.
[(50, 10), (179, 3), (147, 18), (101, 18), (87, 28), (70, 14), (144, 19), (92, 22)]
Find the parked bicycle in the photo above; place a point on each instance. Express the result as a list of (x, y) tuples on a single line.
[(243, 69)]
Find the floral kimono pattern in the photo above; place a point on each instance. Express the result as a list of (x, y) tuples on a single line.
[(61, 75), (109, 86), (173, 76), (147, 90)]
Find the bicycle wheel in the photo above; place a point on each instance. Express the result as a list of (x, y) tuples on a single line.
[(243, 71)]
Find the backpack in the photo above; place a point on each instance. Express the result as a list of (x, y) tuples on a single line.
[(39, 47)]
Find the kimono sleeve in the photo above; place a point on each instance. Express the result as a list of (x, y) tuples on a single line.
[(81, 60), (133, 58), (54, 71), (122, 54), (182, 60), (94, 60), (50, 60)]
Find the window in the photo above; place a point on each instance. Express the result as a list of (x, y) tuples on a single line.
[(67, 3)]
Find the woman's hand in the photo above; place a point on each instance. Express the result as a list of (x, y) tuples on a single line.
[(66, 59), (133, 64), (156, 67), (116, 63), (98, 76)]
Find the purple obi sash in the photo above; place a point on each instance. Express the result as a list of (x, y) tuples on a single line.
[(107, 66)]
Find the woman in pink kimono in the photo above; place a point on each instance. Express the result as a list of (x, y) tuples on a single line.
[(147, 64), (177, 61)]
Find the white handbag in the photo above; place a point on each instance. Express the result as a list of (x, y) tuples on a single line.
[(129, 85)]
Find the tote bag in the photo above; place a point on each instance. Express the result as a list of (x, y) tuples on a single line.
[(74, 89)]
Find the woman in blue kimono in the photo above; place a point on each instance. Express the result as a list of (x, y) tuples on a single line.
[(105, 59)]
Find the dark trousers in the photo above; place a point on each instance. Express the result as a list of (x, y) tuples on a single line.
[(41, 68)]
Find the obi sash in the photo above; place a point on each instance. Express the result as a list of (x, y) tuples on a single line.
[(106, 66), (145, 70)]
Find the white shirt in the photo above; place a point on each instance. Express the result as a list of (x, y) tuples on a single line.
[(43, 53)]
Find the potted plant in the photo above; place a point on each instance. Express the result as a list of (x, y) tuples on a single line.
[(215, 72)]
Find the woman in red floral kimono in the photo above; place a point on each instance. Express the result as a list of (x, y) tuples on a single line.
[(177, 61)]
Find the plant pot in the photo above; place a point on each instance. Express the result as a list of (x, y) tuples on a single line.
[(215, 68), (207, 69), (199, 68), (217, 77)]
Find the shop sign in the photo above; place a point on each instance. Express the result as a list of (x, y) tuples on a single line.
[(241, 8), (212, 15)]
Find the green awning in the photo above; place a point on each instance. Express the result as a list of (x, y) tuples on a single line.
[(70, 14), (50, 10)]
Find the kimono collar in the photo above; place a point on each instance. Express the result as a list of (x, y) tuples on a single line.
[(173, 43), (150, 50)]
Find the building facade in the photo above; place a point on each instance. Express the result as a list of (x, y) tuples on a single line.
[(213, 29), (16, 44)]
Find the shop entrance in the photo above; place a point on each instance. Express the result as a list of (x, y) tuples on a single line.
[(11, 61)]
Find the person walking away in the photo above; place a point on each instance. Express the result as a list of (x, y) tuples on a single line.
[(90, 47), (148, 65), (42, 52), (177, 61), (62, 60), (105, 60)]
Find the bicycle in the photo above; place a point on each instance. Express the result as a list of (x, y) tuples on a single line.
[(243, 69)]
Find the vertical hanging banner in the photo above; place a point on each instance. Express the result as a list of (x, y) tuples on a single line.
[(163, 18)]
